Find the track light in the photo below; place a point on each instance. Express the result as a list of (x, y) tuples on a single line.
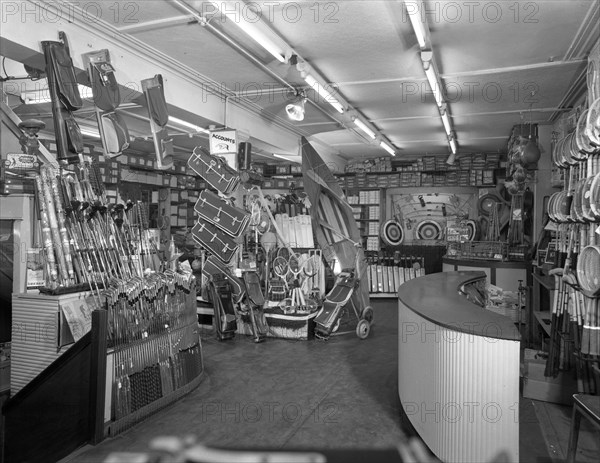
[(362, 126), (295, 110)]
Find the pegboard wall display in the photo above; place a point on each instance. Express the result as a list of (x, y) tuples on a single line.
[(424, 217)]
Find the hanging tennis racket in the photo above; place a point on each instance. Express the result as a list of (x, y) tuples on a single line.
[(588, 269), (595, 196), (295, 264), (264, 224), (586, 207), (592, 129), (311, 266), (583, 142)]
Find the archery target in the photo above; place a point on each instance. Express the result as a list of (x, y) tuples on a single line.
[(392, 233), (428, 230)]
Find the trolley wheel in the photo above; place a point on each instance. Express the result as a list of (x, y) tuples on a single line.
[(337, 325), (362, 329), (367, 314)]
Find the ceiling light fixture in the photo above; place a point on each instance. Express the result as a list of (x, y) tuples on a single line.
[(415, 10), (324, 93), (362, 126), (451, 159), (295, 110), (197, 128), (446, 122), (388, 148), (232, 13), (453, 145), (432, 76)]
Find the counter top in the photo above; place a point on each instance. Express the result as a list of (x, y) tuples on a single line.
[(485, 263), (436, 298)]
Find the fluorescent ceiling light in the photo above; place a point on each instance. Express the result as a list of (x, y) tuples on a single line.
[(324, 93), (434, 83), (446, 122), (453, 145), (233, 15), (189, 125), (388, 148), (361, 125), (415, 11), (286, 158)]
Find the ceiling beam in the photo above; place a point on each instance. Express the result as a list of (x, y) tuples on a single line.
[(487, 113), (587, 35), (157, 24), (480, 72)]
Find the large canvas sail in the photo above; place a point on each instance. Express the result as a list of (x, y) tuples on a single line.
[(335, 229)]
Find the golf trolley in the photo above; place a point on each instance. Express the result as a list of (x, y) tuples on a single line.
[(341, 296)]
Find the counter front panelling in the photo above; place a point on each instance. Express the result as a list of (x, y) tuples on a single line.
[(458, 371)]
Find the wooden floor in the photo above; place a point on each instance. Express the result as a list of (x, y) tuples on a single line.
[(340, 393)]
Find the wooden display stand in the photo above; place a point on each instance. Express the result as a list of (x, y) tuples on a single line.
[(298, 326)]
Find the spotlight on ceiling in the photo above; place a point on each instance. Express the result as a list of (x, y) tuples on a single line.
[(451, 159), (295, 110)]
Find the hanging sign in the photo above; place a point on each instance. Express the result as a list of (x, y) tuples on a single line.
[(223, 141)]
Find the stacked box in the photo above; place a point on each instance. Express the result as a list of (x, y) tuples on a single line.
[(464, 178), (373, 212), (429, 163), (452, 179), (488, 177)]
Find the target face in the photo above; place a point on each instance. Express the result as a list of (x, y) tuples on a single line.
[(391, 233), (429, 230), (472, 229)]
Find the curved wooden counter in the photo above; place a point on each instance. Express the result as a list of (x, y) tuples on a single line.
[(506, 275), (458, 370), (436, 297)]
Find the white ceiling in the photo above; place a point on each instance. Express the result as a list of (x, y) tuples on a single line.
[(490, 55)]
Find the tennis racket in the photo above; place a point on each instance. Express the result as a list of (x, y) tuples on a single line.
[(281, 268)]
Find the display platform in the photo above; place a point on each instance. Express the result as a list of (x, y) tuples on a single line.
[(298, 326)]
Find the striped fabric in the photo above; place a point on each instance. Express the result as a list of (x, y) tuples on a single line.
[(329, 213)]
